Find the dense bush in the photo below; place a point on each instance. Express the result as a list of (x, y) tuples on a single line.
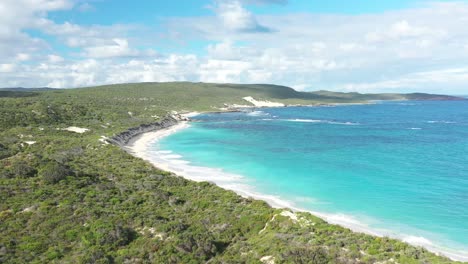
[(21, 169), (4, 152), (53, 172), (312, 255)]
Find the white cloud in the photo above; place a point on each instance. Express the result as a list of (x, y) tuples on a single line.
[(23, 57), (337, 52), (17, 15), (457, 76), (236, 18), (55, 58), (266, 2), (403, 30), (85, 7), (118, 48), (418, 49), (7, 67), (223, 71), (93, 71)]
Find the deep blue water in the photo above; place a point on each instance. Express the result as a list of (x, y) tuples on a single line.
[(401, 167)]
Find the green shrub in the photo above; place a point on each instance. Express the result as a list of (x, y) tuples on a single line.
[(21, 169), (313, 255), (54, 172), (4, 152)]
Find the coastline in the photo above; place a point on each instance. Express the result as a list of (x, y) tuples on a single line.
[(139, 146)]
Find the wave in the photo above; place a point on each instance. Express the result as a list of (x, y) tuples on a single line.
[(418, 240), (407, 104), (172, 156), (258, 113), (414, 128), (322, 121), (304, 120), (441, 122), (343, 123), (164, 152)]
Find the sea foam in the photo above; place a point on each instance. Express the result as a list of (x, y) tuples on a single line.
[(322, 121)]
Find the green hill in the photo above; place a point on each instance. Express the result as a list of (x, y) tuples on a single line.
[(67, 197)]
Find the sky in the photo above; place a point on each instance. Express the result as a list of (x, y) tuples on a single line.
[(339, 45)]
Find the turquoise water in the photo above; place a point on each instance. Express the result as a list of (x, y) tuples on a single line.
[(400, 168)]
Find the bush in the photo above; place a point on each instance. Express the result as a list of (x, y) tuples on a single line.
[(54, 172), (314, 255), (4, 152), (22, 170)]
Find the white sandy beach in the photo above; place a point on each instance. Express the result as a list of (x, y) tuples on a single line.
[(142, 146)]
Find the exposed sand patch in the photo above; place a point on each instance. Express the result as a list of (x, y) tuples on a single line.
[(291, 215), (268, 260), (104, 140), (79, 130), (257, 103)]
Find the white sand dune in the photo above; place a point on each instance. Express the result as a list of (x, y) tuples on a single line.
[(257, 103)]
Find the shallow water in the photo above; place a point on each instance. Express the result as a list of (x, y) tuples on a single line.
[(397, 168)]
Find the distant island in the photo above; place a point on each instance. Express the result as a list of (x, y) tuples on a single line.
[(67, 195)]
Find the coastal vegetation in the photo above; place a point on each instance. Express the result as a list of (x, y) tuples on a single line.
[(67, 196)]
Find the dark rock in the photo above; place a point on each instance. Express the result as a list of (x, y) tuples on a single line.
[(125, 137)]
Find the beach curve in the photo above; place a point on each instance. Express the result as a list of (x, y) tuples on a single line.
[(166, 160)]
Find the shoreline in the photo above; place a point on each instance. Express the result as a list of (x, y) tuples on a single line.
[(139, 146)]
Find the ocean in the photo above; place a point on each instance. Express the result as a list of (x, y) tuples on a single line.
[(398, 169)]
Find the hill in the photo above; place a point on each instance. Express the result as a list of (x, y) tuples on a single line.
[(68, 197), (386, 96)]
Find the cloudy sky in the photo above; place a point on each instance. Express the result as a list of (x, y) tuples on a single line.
[(341, 45)]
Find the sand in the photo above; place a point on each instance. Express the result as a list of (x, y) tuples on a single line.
[(141, 146)]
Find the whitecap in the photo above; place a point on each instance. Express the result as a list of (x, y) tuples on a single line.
[(304, 120), (343, 123), (322, 121), (406, 104), (441, 122), (257, 113), (164, 152), (172, 156), (417, 240)]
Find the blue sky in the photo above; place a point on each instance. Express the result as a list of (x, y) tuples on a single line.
[(365, 46)]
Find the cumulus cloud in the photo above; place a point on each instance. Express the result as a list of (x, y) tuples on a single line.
[(23, 57), (319, 51), (266, 2), (88, 72), (17, 15), (85, 7), (236, 18), (418, 49), (7, 67), (52, 58), (117, 48)]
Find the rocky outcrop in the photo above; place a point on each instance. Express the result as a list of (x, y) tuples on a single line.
[(125, 137)]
